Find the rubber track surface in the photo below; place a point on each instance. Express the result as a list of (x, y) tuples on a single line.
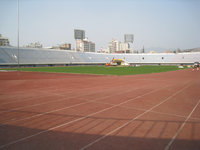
[(56, 111)]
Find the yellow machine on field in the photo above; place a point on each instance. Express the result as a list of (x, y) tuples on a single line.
[(117, 62)]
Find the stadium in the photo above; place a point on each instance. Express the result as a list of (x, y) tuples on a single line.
[(56, 111), (63, 89)]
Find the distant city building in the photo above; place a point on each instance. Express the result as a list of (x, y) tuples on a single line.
[(143, 51), (192, 50), (55, 47), (79, 45), (85, 45), (178, 50), (125, 47), (103, 50), (152, 52), (4, 41), (65, 46), (169, 51), (89, 46), (114, 46), (79, 34), (118, 47), (34, 45)]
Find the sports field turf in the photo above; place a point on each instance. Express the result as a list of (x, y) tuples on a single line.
[(104, 70)]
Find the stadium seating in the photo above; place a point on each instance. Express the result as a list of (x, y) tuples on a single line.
[(31, 56)]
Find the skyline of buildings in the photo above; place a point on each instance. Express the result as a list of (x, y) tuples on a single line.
[(159, 25), (82, 44)]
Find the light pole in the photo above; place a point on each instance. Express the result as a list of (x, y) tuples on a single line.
[(18, 35)]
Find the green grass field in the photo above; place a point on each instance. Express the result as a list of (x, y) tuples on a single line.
[(103, 69)]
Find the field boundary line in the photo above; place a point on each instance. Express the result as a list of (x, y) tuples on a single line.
[(61, 99), (157, 112), (41, 91), (125, 124), (64, 124), (89, 101), (183, 124)]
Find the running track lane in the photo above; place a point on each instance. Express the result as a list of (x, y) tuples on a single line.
[(144, 126)]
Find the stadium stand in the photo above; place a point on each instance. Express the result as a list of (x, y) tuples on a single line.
[(51, 57)]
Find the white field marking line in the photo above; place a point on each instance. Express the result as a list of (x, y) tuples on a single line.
[(10, 110), (157, 112), (21, 92), (40, 96), (140, 109), (34, 90), (11, 121), (61, 125), (16, 101), (71, 91), (27, 99), (56, 100), (41, 91), (152, 80), (125, 124), (169, 114), (50, 88), (61, 99), (179, 130)]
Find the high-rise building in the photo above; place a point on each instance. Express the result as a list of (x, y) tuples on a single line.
[(4, 41), (118, 47), (114, 46), (85, 45), (91, 47), (79, 45), (124, 47), (143, 51)]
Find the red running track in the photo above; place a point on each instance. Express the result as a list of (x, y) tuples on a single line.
[(54, 111)]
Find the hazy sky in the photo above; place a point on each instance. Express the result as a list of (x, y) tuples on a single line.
[(156, 24)]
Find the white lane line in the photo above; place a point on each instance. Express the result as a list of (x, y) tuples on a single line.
[(48, 101), (99, 139), (40, 90), (43, 90), (141, 109), (22, 100), (11, 110), (64, 124), (12, 121), (61, 99), (162, 113), (179, 130)]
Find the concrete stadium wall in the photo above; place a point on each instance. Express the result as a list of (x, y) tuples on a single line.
[(50, 57)]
